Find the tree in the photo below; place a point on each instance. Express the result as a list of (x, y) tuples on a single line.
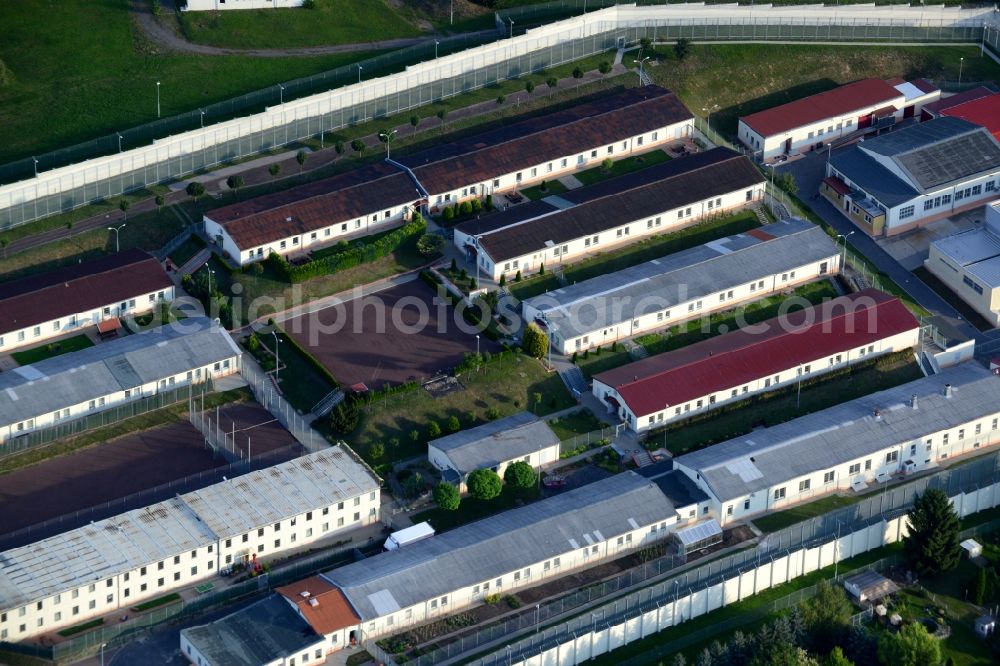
[(910, 646), (826, 617), (446, 496), (979, 587), (301, 158), (160, 200), (430, 245), (433, 430), (552, 82), (414, 436), (358, 146), (541, 269), (339, 147), (679, 660), (414, 485), (645, 44), (529, 86), (534, 342), (577, 73), (503, 280), (448, 214), (837, 658), (932, 545), (682, 48), (484, 484), (274, 169), (453, 423), (377, 450), (414, 121), (234, 182), (500, 100), (604, 67), (123, 206), (442, 114), (520, 476), (195, 189), (344, 418)]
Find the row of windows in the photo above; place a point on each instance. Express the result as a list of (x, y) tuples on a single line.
[(259, 252), (971, 284), (36, 332), (829, 128), (938, 201)]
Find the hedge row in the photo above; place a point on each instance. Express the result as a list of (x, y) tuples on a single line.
[(311, 360), (361, 252)]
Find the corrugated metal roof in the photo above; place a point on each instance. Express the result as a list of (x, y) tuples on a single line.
[(877, 181), (984, 112), (144, 536), (79, 288), (771, 456), (656, 285), (111, 367), (840, 101), (500, 544), (717, 364), (492, 443)]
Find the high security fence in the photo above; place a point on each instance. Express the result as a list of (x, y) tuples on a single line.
[(59, 188)]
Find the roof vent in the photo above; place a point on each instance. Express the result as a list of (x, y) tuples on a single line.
[(913, 401), (314, 602), (947, 390), (878, 415), (288, 219), (304, 594)]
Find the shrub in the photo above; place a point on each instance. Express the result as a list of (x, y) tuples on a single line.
[(433, 430), (488, 203), (309, 4), (415, 485), (552, 82), (339, 147), (430, 245), (358, 146), (160, 200), (517, 276), (414, 120), (607, 164), (512, 601), (377, 450), (604, 67), (682, 48), (453, 424), (274, 169), (535, 342), (577, 73), (454, 265), (541, 269), (529, 87), (503, 280), (492, 414), (195, 189), (520, 475), (477, 205), (344, 418), (448, 214), (234, 182), (500, 100), (484, 484), (492, 599), (573, 359), (446, 496), (465, 208)]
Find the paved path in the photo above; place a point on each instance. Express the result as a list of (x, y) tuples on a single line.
[(162, 35)]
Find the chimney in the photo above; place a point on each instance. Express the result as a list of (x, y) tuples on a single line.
[(314, 602), (913, 401), (947, 390)]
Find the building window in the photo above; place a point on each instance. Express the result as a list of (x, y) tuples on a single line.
[(804, 485), (828, 477), (779, 493), (905, 212), (854, 469), (892, 457)]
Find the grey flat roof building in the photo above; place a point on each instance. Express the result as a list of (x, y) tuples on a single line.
[(498, 545), (111, 367), (846, 432), (607, 300), (261, 633), (495, 442)]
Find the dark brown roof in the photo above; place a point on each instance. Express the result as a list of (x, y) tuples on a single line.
[(643, 193), (312, 206), (529, 142), (79, 288)]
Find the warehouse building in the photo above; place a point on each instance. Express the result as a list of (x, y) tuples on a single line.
[(969, 264), (811, 122), (312, 216), (621, 210), (516, 549), (685, 285), (494, 445), (798, 346), (116, 563), (907, 178), (906, 429), (41, 307), (71, 386), (517, 155)]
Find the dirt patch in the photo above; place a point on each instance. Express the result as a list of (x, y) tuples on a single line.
[(443, 386)]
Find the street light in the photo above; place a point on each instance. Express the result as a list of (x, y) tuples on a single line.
[(708, 120), (202, 117), (277, 359), (844, 260), (477, 346), (386, 137), (281, 93), (119, 141), (33, 159), (210, 273), (116, 230), (511, 27), (436, 42), (538, 616), (103, 645), (157, 99), (359, 73), (641, 70), (961, 63)]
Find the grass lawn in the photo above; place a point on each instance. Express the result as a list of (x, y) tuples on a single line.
[(622, 167), (187, 250), (963, 647), (149, 231), (953, 299), (80, 628), (473, 509), (551, 187), (80, 69), (156, 603), (164, 416), (330, 22), (780, 406), (64, 346), (592, 363), (576, 423), (533, 286), (697, 330), (508, 385), (782, 519), (301, 383)]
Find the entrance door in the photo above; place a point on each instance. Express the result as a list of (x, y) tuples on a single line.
[(788, 146), (864, 121), (908, 111)]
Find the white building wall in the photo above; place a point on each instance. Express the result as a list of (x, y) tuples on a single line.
[(970, 192), (925, 452), (691, 308), (371, 223), (196, 375), (564, 164), (134, 305), (958, 280), (785, 377), (536, 459), (157, 578)]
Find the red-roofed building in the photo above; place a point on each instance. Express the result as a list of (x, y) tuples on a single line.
[(937, 109), (325, 608), (759, 358), (809, 123), (984, 112)]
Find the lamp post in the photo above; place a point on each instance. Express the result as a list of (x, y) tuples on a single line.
[(202, 117), (538, 616), (477, 346), (961, 64), (210, 272), (116, 230), (386, 137), (157, 99), (641, 70), (359, 73), (103, 645), (708, 119), (511, 27), (277, 358), (119, 141), (33, 159), (844, 260), (281, 93), (436, 43)]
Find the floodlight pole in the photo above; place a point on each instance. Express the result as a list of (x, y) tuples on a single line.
[(157, 99), (277, 360)]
